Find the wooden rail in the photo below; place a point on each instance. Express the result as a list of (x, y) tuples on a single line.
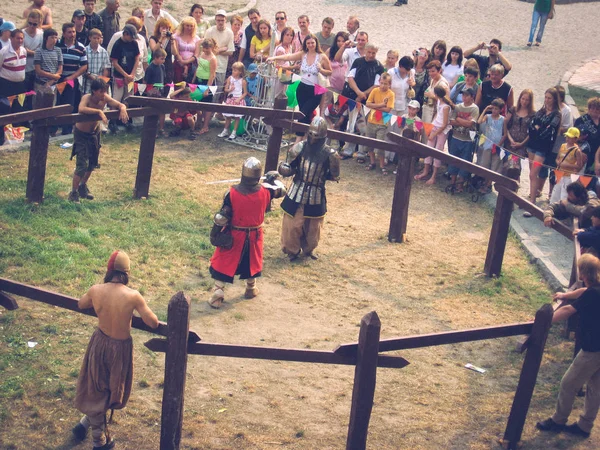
[(71, 303), (36, 114)]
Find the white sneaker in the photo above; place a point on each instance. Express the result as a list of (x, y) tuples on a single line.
[(232, 136), (223, 133)]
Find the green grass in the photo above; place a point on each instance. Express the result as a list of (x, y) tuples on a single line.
[(581, 96)]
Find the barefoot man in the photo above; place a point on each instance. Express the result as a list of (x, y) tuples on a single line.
[(106, 373), (87, 137)]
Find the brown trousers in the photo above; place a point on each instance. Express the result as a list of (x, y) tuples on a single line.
[(300, 233)]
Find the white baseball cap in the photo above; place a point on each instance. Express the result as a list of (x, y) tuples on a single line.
[(221, 12)]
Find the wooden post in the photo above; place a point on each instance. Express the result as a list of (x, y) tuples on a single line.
[(498, 236), (274, 144), (38, 153), (144, 169), (529, 371), (365, 375), (178, 322), (399, 219), (8, 302)]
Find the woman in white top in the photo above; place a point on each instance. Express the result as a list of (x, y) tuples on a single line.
[(453, 66), (403, 78), (314, 63)]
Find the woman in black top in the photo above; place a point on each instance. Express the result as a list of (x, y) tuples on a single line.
[(161, 38), (543, 129)]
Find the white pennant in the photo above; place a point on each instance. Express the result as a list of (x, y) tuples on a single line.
[(502, 153), (213, 89), (574, 178), (366, 110), (141, 88), (296, 77), (472, 134), (393, 120)]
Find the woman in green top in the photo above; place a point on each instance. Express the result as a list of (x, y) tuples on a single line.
[(542, 11), (197, 11)]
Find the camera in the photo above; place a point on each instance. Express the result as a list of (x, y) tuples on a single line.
[(168, 34)]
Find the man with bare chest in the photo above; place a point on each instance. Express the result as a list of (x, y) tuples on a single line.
[(86, 136), (106, 374)]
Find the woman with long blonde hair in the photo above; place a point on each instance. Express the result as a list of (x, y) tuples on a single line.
[(184, 48)]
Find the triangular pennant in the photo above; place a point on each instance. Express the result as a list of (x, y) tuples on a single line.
[(351, 104), (181, 83), (71, 83), (202, 88), (11, 99), (296, 77), (574, 177), (105, 79), (192, 87), (120, 82), (343, 100), (428, 127), (482, 139), (472, 134), (335, 98), (378, 115), (393, 120), (156, 85), (30, 93), (60, 87), (142, 87), (21, 98), (559, 174), (502, 153), (494, 149), (386, 117), (213, 89), (135, 88), (130, 87), (584, 180), (537, 164), (320, 89), (172, 85), (418, 125)]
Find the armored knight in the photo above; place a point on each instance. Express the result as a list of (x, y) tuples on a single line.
[(311, 163), (242, 215)]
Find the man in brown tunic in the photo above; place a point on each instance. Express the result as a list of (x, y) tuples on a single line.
[(106, 373)]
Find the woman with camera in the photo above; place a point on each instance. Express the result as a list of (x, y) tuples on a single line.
[(162, 38)]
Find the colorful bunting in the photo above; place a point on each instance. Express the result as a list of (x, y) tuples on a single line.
[(351, 104), (574, 177), (537, 164), (70, 83), (585, 180), (343, 100), (320, 89), (428, 127), (141, 87), (291, 94), (378, 116), (21, 98), (60, 87), (559, 174), (213, 89)]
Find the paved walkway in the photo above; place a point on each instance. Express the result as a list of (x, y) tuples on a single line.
[(587, 76), (466, 23)]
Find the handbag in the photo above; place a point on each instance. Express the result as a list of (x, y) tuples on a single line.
[(221, 237)]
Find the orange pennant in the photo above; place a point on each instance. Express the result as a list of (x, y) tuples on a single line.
[(60, 87), (585, 180), (537, 164), (428, 127), (11, 99), (559, 174), (105, 79)]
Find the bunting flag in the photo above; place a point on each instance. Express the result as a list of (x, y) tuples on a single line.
[(336, 96), (71, 83), (585, 180), (158, 85), (21, 98), (386, 117), (482, 139), (537, 164), (494, 149), (472, 134), (192, 86), (171, 84), (428, 127), (105, 79), (120, 82), (296, 77), (60, 87), (343, 100), (351, 104), (28, 93), (11, 99), (502, 153), (291, 94), (574, 177), (559, 174), (393, 119), (130, 87), (141, 88), (320, 89), (202, 88), (213, 89), (180, 84), (419, 125), (135, 88)]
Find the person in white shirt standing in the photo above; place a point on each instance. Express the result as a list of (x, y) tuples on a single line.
[(13, 59), (33, 36), (153, 14)]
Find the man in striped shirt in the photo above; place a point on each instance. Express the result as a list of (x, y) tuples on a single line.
[(13, 59), (74, 65)]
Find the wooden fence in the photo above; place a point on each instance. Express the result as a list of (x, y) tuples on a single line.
[(280, 119), (365, 355)]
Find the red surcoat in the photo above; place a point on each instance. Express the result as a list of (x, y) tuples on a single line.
[(248, 211)]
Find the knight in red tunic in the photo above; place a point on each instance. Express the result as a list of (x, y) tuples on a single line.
[(242, 214)]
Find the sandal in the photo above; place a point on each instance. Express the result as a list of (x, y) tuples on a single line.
[(203, 131), (370, 167), (384, 172)]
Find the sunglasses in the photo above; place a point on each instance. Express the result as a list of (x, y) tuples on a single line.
[(279, 18), (32, 24)]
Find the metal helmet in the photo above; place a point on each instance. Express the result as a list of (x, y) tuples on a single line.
[(318, 128), (251, 171)]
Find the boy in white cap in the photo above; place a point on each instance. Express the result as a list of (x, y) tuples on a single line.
[(107, 371)]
